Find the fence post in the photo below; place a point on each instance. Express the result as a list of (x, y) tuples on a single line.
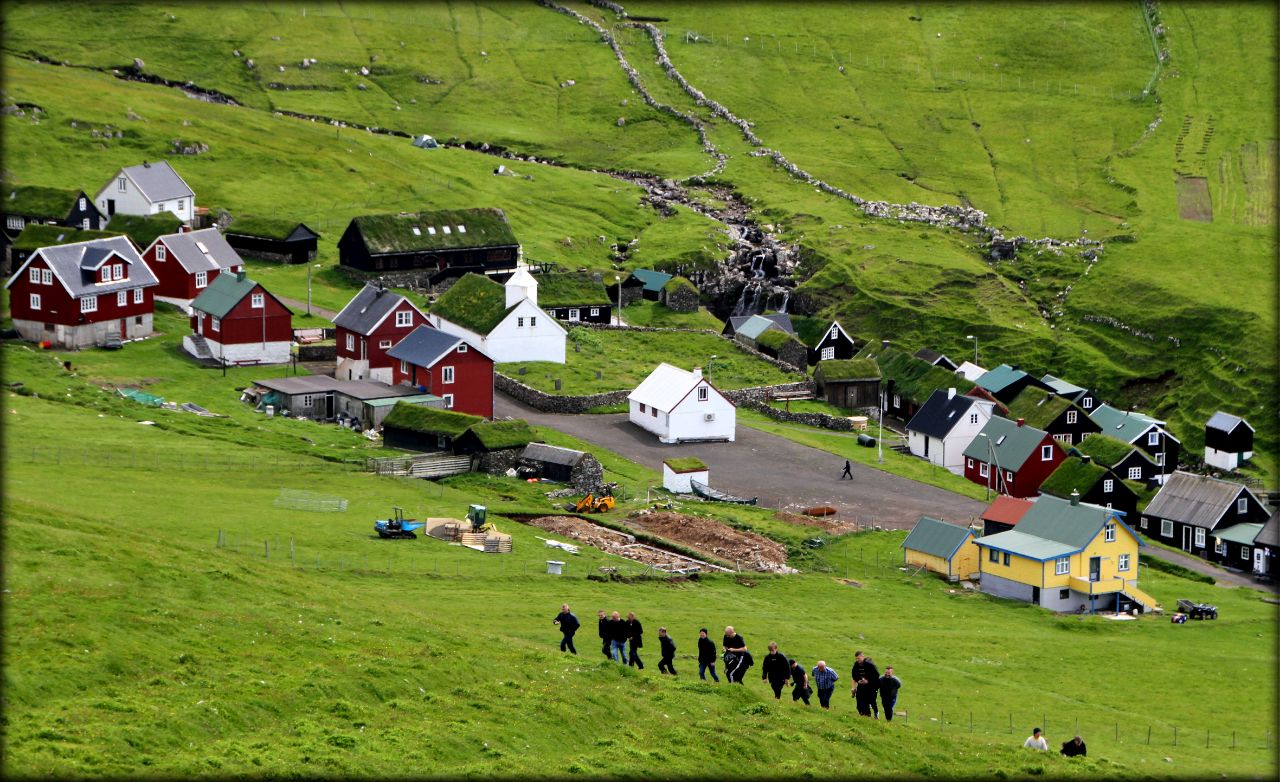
[(942, 721), (266, 549), (1175, 735), (291, 549), (1148, 735)]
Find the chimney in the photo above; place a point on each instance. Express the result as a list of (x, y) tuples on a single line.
[(185, 228), (1086, 459), (1021, 421), (697, 371), (951, 393), (884, 343), (1075, 497), (240, 276)]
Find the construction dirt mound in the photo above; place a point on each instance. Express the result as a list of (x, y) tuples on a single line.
[(747, 550), (613, 542), (827, 524)]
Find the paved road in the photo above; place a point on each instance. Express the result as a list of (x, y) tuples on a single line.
[(778, 471), (1222, 576)]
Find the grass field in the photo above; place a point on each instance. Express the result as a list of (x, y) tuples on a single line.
[(136, 647), (655, 315)]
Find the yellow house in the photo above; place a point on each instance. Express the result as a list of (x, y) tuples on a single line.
[(941, 547), (1066, 555)]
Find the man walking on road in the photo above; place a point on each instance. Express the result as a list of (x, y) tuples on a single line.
[(825, 678), (848, 471), (866, 679), (889, 686), (568, 626)]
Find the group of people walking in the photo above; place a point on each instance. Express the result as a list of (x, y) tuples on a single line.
[(622, 639)]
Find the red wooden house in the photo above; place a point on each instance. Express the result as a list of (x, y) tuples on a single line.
[(185, 263), (83, 294), (370, 324), (447, 366), (1011, 457), (237, 321)]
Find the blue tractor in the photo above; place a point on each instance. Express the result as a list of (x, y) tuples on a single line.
[(397, 528)]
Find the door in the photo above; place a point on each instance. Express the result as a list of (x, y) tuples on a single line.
[(1035, 595), (328, 406), (111, 206), (124, 331), (574, 316), (1095, 568), (1186, 537), (926, 446), (1259, 560)]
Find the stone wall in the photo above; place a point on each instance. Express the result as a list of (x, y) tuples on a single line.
[(555, 403), (317, 352), (820, 420), (794, 353), (588, 476), (744, 396), (498, 462)]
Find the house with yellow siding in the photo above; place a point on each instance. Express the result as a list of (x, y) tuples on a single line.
[(944, 548), (1066, 555)]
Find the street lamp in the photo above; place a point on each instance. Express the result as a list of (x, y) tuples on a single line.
[(309, 286), (880, 437), (709, 362), (618, 282), (975, 347)]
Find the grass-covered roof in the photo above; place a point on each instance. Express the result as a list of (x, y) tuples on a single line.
[(570, 289), (686, 464), (38, 201), (144, 229), (810, 330), (1072, 475), (847, 369), (264, 227), (37, 235), (451, 229), (474, 302), (676, 283), (498, 435), (915, 379), (774, 339), (429, 420), (1038, 407), (1104, 449)]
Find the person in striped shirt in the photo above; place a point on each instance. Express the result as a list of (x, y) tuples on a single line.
[(824, 679)]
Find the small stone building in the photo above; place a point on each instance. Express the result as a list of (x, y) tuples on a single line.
[(678, 473), (680, 295), (579, 469)]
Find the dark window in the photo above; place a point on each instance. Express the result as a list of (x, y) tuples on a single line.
[(1064, 594), (993, 555)]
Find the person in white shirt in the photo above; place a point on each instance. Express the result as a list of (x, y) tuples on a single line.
[(1036, 741)]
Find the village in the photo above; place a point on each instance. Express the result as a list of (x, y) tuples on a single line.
[(1076, 485)]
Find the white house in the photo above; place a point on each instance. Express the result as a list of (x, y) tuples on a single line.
[(503, 321), (1228, 441), (147, 189), (945, 425), (970, 371), (679, 406)]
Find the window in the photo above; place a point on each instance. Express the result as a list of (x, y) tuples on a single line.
[(35, 301), (1166, 528), (446, 375), (1063, 438), (162, 206), (1242, 505), (1046, 453), (984, 469), (137, 295), (462, 348), (89, 304), (1153, 438), (834, 331), (1071, 416), (1008, 476), (82, 204), (828, 354), (1108, 485), (703, 394), (122, 298), (202, 279), (384, 343), (122, 185), (162, 253), (106, 273), (1143, 523), (595, 312), (1244, 552), (15, 223), (1064, 594), (217, 324), (1062, 566), (968, 463), (1122, 563), (574, 314), (643, 409), (404, 319), (34, 275), (1110, 531), (448, 401), (897, 400), (1006, 559), (351, 342), (46, 276), (533, 321), (181, 201), (256, 301), (520, 323), (404, 367), (1199, 537), (1087, 402), (973, 418), (1220, 546), (1135, 473), (993, 555), (307, 400), (118, 271), (137, 320), (1108, 506), (1160, 460), (654, 411), (85, 223)]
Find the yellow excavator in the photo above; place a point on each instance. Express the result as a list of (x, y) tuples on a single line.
[(593, 504)]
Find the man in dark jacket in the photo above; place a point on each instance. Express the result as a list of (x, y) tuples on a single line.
[(775, 669), (737, 659), (889, 686), (706, 656), (800, 688), (604, 634), (1074, 748), (668, 648), (618, 635), (635, 633), (866, 680), (568, 626)]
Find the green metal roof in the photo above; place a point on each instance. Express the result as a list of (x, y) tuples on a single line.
[(223, 293), (1038, 407), (847, 369), (474, 302), (570, 289), (1013, 444), (757, 325), (1126, 426), (1000, 378), (1031, 546), (1056, 519), (415, 399), (1243, 534), (440, 230), (1107, 450), (936, 537), (1073, 474), (653, 281)]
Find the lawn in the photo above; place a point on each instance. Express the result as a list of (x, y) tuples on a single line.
[(655, 315)]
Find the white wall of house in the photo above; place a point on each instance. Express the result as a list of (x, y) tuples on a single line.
[(678, 482), (526, 334), (949, 452), (354, 369), (259, 352), (131, 201), (1225, 460), (689, 419)]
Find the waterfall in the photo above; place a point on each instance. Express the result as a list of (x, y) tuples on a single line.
[(786, 296), (742, 300)]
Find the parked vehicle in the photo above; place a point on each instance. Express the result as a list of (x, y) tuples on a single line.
[(1198, 610)]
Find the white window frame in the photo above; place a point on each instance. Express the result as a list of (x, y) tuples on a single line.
[(122, 185), (968, 463), (1244, 553), (574, 313), (33, 274), (162, 253), (1071, 416), (1062, 566), (984, 469), (1046, 453), (137, 296), (704, 393), (106, 273), (351, 341), (83, 206), (533, 321), (448, 401), (383, 344), (1153, 438), (1220, 546), (215, 323), (835, 332), (1109, 532), (122, 298), (1008, 476), (257, 301), (1166, 528), (307, 400), (1242, 505), (1135, 473), (202, 279), (89, 304), (1199, 537), (181, 204), (404, 319), (35, 301), (404, 367), (1063, 438), (595, 312), (1086, 403), (897, 400), (447, 375), (1122, 563), (1160, 460), (15, 223), (84, 223), (46, 276), (1108, 486), (828, 354), (462, 347)]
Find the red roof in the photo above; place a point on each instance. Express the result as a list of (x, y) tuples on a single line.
[(1007, 510)]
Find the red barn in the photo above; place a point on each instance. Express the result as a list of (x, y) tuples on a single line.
[(1011, 457), (83, 294), (371, 323), (237, 321), (185, 263), (447, 366)]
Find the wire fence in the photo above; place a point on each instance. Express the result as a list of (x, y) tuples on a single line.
[(202, 461)]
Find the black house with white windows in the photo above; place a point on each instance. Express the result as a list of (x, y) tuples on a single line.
[(933, 357), (1189, 508), (1228, 441), (1142, 431), (23, 205), (835, 344)]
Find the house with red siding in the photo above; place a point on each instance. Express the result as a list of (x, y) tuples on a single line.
[(1012, 457), (371, 323), (185, 263), (447, 366), (237, 321), (78, 295)]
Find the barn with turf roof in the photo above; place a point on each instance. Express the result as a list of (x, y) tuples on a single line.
[(908, 382), (270, 239), (1064, 421), (1125, 460), (427, 429), (440, 244), (488, 437), (833, 343), (849, 383), (502, 320), (946, 549)]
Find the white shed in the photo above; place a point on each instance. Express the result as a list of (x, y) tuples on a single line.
[(682, 406), (677, 473)]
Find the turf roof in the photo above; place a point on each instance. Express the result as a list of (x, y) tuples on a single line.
[(686, 464), (498, 435), (570, 289), (429, 420), (774, 339), (395, 233), (38, 201), (810, 330), (1105, 450), (37, 235), (264, 227), (1038, 407), (675, 283), (847, 369), (474, 302), (1073, 475), (916, 379), (145, 229)]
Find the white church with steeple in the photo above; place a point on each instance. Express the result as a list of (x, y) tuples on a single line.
[(525, 332)]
